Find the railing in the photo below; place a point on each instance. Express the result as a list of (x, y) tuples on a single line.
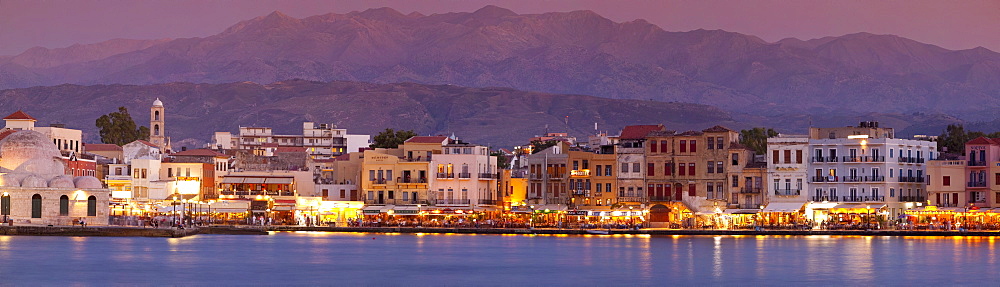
[(258, 192), (378, 181), (661, 198), (464, 175), (825, 178), (748, 205), (904, 159), (977, 163), (445, 175), (579, 192), (750, 190), (864, 159), (973, 200), (875, 178), (853, 178), (451, 202), (489, 201), (911, 179), (413, 180), (787, 191), (487, 175), (976, 184), (824, 198), (911, 198), (824, 159), (848, 198), (632, 199), (394, 201)]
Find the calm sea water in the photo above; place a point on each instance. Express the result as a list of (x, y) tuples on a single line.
[(381, 259)]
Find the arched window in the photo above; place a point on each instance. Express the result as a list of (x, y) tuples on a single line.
[(36, 206), (64, 205), (92, 206), (156, 130), (156, 115), (5, 205)]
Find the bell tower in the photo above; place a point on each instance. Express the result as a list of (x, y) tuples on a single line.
[(157, 127)]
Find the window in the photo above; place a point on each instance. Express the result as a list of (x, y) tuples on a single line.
[(692, 189), (586, 164), (736, 159), (694, 146), (624, 167), (5, 205), (576, 165), (92, 206), (663, 146), (36, 206), (691, 170), (143, 173), (718, 167), (64, 205), (946, 180), (683, 146), (718, 143), (736, 181), (187, 172), (636, 168), (682, 170), (668, 169), (599, 170), (788, 156), (711, 167), (711, 145), (774, 156), (710, 188), (598, 188), (652, 147), (607, 170), (650, 169), (170, 172)]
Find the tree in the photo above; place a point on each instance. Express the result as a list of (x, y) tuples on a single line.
[(501, 160), (119, 128), (955, 136), (756, 138), (537, 145), (390, 138)]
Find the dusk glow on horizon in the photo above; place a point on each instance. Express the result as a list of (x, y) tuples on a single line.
[(949, 24)]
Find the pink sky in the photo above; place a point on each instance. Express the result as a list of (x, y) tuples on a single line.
[(960, 24)]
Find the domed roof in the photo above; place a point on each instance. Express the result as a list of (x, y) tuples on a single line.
[(30, 152), (157, 103), (62, 181), (33, 181), (88, 182)]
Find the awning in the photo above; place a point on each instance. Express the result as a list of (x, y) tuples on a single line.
[(278, 180), (822, 205), (741, 211), (551, 207), (255, 180), (783, 207), (405, 210), (232, 180), (229, 210), (375, 209), (283, 207), (180, 197)]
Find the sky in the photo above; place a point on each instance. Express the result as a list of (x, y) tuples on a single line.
[(952, 24)]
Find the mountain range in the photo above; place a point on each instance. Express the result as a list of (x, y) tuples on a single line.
[(576, 52)]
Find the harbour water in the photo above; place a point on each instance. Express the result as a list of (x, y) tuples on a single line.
[(316, 258)]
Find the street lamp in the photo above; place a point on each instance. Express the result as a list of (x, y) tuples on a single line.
[(420, 215), (531, 219), (174, 205)]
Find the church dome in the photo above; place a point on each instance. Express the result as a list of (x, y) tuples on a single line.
[(87, 182), (62, 181), (157, 103), (33, 181), (30, 152)]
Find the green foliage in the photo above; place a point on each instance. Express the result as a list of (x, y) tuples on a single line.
[(501, 160), (955, 136), (537, 145), (756, 138), (390, 138), (119, 128)]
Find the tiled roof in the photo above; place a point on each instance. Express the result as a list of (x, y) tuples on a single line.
[(19, 115), (661, 133), (290, 149), (199, 152), (6, 133), (982, 140), (736, 145), (101, 147), (435, 139), (716, 129), (147, 143), (639, 131), (690, 133)]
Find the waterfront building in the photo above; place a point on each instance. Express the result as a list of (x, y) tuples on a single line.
[(112, 152), (36, 189), (475, 176), (787, 179), (865, 170), (402, 175), (547, 179), (592, 179), (965, 184), (320, 141)]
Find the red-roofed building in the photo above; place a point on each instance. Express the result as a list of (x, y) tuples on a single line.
[(428, 140), (970, 182), (19, 121), (111, 151)]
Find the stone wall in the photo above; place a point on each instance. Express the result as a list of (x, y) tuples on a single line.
[(20, 208)]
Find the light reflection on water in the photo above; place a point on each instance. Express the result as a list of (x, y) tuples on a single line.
[(285, 258)]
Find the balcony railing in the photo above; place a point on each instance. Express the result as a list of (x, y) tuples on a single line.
[(258, 192), (912, 198), (825, 179), (393, 201), (487, 175), (662, 198), (579, 192), (976, 184), (378, 181), (824, 159), (632, 199), (750, 190), (412, 180), (451, 202), (787, 191), (911, 179), (848, 198), (464, 175), (445, 175), (824, 198), (904, 159), (977, 163), (864, 159), (748, 205), (489, 201), (973, 200)]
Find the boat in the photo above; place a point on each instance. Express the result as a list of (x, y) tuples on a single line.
[(603, 232)]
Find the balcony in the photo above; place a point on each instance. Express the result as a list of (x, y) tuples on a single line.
[(904, 159), (824, 159), (580, 192), (980, 200), (824, 198), (912, 198), (378, 181), (487, 176), (787, 192), (258, 192), (824, 179), (661, 198), (874, 178), (976, 184), (748, 205), (853, 178), (977, 163), (464, 175), (750, 190), (412, 180), (864, 159), (848, 198), (490, 202), (393, 201), (451, 202), (631, 199), (911, 179), (445, 175)]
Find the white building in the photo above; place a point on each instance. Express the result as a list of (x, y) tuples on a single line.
[(787, 179), (321, 141), (475, 180), (864, 169)]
